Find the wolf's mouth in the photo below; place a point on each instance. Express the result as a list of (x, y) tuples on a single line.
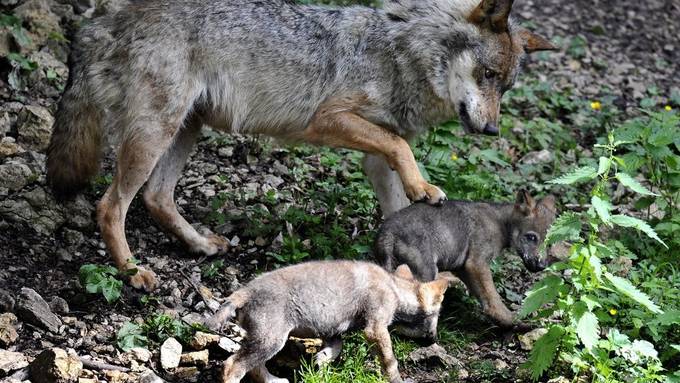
[(465, 119)]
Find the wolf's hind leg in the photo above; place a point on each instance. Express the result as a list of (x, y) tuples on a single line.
[(329, 353), (159, 193), (137, 157), (386, 184)]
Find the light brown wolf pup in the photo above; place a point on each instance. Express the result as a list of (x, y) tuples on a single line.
[(325, 300)]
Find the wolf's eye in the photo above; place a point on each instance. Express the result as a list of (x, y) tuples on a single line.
[(489, 74), (531, 237)]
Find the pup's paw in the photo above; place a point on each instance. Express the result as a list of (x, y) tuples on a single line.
[(144, 279), (324, 357)]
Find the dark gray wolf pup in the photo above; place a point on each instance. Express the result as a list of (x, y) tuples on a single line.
[(463, 237), (366, 79), (327, 299)]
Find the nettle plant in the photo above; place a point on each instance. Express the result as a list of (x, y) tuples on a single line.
[(579, 291)]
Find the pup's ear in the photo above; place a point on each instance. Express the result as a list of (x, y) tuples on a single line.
[(432, 293), (525, 204), (403, 271), (451, 279), (535, 43), (548, 203), (492, 15)]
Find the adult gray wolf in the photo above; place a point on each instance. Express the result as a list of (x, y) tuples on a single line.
[(367, 79), (327, 299), (463, 237)]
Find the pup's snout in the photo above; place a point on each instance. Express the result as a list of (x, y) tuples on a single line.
[(490, 129)]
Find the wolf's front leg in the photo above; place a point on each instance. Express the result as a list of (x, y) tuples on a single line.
[(335, 125), (380, 336)]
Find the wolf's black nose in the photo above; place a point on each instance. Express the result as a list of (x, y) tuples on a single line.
[(490, 129)]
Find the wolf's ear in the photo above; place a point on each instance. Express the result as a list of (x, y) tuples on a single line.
[(492, 14), (535, 43), (404, 271), (525, 204)]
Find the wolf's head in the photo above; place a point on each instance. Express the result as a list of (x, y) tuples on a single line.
[(530, 223), (471, 50), (419, 304)]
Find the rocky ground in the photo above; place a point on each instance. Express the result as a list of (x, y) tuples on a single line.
[(628, 50)]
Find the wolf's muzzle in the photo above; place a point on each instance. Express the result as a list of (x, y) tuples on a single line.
[(490, 129)]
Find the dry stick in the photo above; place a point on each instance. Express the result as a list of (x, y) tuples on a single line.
[(91, 364), (198, 290)]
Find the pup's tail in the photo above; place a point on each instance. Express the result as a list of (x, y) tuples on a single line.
[(75, 147), (228, 310)]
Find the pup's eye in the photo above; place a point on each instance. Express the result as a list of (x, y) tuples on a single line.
[(531, 237), (489, 74)]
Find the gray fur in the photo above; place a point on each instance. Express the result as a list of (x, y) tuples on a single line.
[(463, 237)]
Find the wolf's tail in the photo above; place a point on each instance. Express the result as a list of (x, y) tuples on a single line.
[(75, 147), (228, 310)]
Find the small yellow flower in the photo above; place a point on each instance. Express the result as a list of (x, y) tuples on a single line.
[(454, 157), (596, 105), (613, 311), (668, 108)]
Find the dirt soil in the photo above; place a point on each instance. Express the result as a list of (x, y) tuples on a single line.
[(631, 48)]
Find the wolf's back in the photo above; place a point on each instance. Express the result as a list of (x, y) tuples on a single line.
[(75, 147)]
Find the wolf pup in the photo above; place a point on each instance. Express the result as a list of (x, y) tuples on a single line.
[(327, 299), (367, 79), (463, 237)]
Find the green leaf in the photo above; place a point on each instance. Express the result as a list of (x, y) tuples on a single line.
[(130, 336), (567, 227), (605, 165), (602, 207), (633, 184), (588, 329), (545, 291), (638, 224), (585, 173), (544, 352), (626, 288)]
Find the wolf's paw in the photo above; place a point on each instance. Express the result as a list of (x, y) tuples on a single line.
[(428, 193), (213, 244), (144, 279)]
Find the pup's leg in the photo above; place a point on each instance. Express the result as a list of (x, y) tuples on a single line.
[(261, 345), (140, 149), (159, 194), (378, 334), (386, 184), (336, 127), (476, 275), (329, 353), (261, 375)]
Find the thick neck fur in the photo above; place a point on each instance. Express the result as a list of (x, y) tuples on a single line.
[(504, 215)]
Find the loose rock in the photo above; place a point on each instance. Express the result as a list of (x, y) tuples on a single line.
[(141, 354), (59, 305), (56, 366), (11, 361), (35, 127), (32, 308), (229, 345), (434, 353), (202, 340), (171, 352), (6, 301), (197, 358), (8, 334), (526, 341), (15, 175)]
